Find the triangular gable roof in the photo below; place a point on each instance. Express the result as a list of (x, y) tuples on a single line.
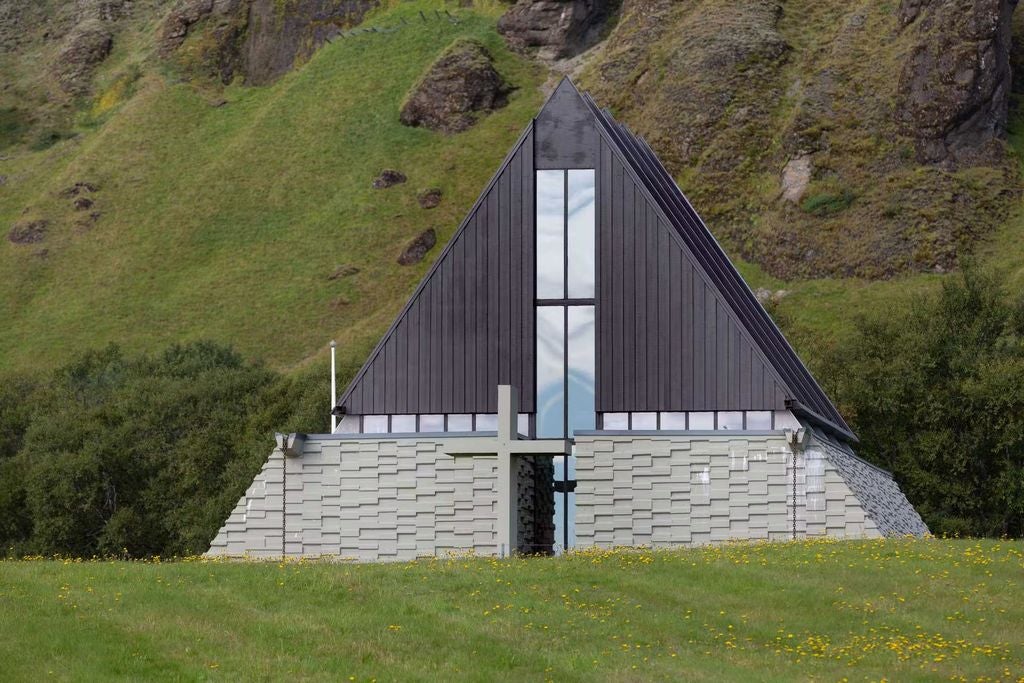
[(426, 319)]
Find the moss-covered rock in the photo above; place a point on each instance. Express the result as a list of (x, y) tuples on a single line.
[(460, 85)]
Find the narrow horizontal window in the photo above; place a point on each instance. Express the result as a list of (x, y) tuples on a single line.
[(431, 424), (350, 424), (460, 423), (730, 419), (702, 421), (644, 421), (615, 421), (375, 424), (403, 424), (675, 421), (486, 422), (759, 419), (786, 420)]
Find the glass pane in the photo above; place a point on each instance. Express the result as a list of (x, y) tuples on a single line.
[(460, 423), (759, 419), (432, 423), (786, 420), (645, 421), (673, 420), (730, 419), (349, 425), (550, 234), (550, 371), (523, 424), (581, 369), (403, 424), (616, 421), (487, 423), (375, 424), (702, 421), (582, 226)]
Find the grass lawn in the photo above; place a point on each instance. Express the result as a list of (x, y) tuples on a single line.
[(822, 610)]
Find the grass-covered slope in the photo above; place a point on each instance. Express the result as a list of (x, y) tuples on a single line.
[(225, 221), (859, 610), (222, 212)]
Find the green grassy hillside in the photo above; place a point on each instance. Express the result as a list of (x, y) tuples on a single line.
[(225, 222), (858, 610), (221, 212)]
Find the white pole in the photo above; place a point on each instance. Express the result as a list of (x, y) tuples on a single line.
[(334, 387)]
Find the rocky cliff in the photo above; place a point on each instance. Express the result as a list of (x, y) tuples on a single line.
[(859, 138)]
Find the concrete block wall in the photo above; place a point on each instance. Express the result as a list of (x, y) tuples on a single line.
[(375, 500), (675, 489)]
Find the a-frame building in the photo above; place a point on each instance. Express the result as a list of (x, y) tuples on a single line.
[(583, 279)]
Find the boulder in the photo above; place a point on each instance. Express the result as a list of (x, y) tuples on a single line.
[(796, 176), (429, 199), (556, 28), (456, 88), (954, 87), (28, 232), (388, 178), (418, 248), (84, 48)]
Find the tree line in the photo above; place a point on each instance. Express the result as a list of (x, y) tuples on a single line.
[(146, 454)]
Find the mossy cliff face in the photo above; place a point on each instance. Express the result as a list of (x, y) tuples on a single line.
[(259, 39), (954, 89), (835, 138)]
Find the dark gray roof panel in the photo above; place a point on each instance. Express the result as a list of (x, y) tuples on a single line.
[(800, 388), (566, 136), (469, 325), (667, 340)]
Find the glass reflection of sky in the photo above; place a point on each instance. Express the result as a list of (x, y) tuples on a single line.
[(581, 228), (550, 234), (550, 371)]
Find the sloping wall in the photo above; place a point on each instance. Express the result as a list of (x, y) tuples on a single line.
[(877, 492)]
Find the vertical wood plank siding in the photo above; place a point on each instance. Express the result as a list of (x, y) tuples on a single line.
[(677, 329), (470, 325), (792, 379), (665, 339)]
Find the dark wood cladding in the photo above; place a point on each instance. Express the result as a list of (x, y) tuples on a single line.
[(677, 328), (666, 341), (799, 389), (566, 132), (470, 325)]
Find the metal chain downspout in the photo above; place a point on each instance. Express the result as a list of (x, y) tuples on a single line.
[(794, 494)]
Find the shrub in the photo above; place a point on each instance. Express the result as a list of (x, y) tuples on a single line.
[(936, 394), (144, 454)]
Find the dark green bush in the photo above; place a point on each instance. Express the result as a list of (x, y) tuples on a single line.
[(142, 455), (936, 393)]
